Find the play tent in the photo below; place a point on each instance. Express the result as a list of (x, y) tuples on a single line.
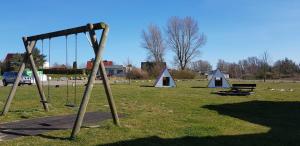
[(218, 80), (165, 79)]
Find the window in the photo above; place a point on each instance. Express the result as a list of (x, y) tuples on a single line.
[(119, 71), (111, 72)]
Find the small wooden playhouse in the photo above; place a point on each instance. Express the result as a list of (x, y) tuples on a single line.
[(165, 79), (218, 80)]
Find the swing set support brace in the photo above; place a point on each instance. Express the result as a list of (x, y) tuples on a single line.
[(28, 55), (98, 49), (30, 43)]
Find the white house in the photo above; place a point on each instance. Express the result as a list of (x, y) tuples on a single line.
[(115, 70)]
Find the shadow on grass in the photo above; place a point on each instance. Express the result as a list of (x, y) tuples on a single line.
[(199, 87), (54, 137), (231, 93), (146, 86), (282, 118)]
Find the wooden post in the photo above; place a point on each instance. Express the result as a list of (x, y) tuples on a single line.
[(89, 87), (16, 83), (27, 55), (35, 74), (109, 95), (105, 80)]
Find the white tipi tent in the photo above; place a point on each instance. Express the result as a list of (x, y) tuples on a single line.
[(218, 80), (165, 79)]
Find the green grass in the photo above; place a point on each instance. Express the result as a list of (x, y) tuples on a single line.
[(186, 115)]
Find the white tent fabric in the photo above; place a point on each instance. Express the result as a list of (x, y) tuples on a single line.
[(165, 79), (218, 80)]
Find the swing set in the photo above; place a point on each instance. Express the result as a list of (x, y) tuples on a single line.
[(30, 42), (69, 103)]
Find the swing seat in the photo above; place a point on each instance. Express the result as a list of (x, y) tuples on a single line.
[(70, 105)]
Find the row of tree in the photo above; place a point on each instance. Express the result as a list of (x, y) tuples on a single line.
[(182, 37), (253, 68)]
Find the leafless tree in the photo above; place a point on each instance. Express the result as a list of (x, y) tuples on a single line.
[(235, 70), (153, 42), (201, 66), (128, 62), (286, 67), (184, 39), (128, 69), (265, 61), (250, 65), (223, 65)]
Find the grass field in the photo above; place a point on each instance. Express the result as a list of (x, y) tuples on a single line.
[(186, 115)]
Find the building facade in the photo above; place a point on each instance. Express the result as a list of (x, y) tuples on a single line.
[(110, 67)]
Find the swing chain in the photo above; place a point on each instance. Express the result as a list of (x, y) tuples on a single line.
[(48, 77)]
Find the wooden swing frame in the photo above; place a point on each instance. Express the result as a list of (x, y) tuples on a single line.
[(30, 42)]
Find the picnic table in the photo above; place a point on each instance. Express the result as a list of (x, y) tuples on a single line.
[(239, 90), (241, 87)]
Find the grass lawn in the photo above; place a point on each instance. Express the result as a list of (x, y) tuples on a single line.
[(186, 115)]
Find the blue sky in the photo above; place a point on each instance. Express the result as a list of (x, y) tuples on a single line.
[(235, 29)]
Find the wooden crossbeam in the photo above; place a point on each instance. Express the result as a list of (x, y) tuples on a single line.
[(75, 30)]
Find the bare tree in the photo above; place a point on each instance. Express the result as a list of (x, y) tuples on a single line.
[(201, 66), (128, 62), (184, 39), (235, 70), (128, 69), (250, 66), (265, 61), (286, 67), (153, 42), (223, 65)]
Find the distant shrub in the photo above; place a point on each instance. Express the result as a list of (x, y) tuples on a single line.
[(155, 72), (137, 74), (183, 74)]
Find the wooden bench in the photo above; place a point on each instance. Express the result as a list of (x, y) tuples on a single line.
[(240, 87), (238, 90)]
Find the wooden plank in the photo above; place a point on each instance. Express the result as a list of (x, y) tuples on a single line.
[(75, 30), (243, 85)]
